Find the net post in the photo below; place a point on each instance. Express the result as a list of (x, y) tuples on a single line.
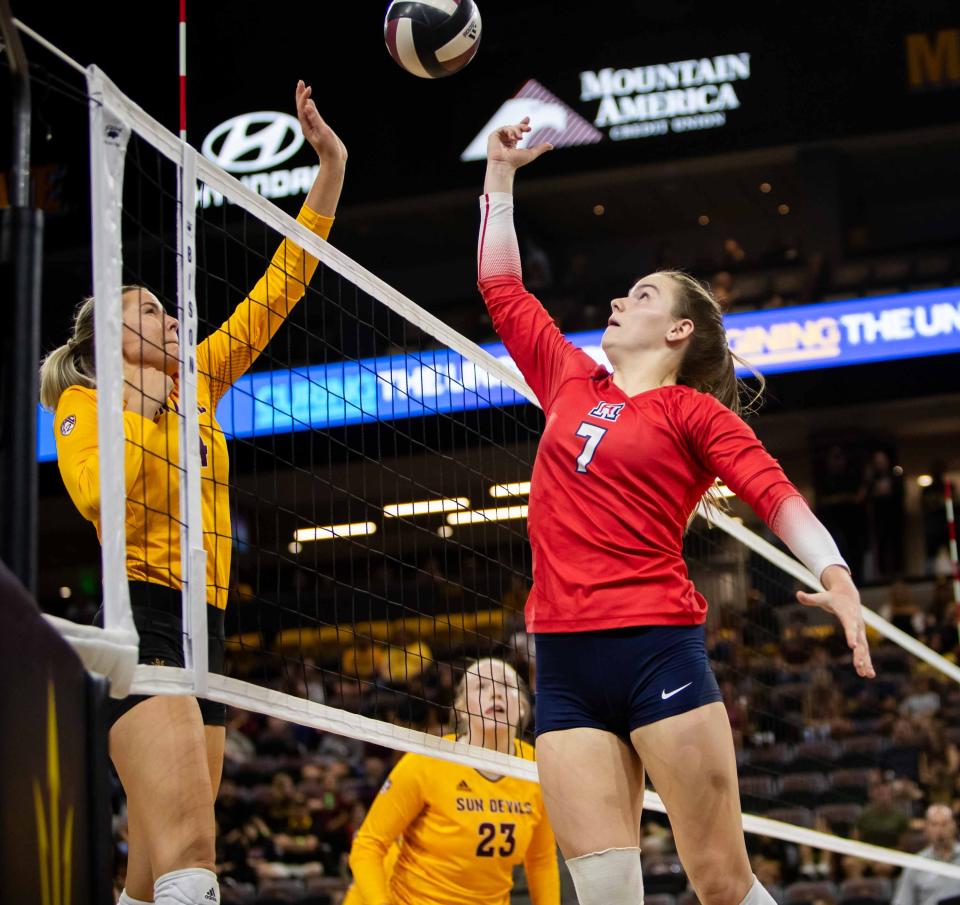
[(108, 144), (193, 556)]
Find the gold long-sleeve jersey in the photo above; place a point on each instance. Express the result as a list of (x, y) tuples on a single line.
[(460, 835), (152, 447)]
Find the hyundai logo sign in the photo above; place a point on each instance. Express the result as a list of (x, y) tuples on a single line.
[(253, 142)]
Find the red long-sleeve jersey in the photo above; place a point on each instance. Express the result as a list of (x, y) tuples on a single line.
[(616, 477)]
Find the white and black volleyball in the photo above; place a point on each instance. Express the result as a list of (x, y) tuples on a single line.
[(432, 38)]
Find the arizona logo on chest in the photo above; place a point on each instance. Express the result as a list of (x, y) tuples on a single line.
[(608, 411)]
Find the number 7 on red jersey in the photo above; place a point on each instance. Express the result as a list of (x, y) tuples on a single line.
[(593, 435)]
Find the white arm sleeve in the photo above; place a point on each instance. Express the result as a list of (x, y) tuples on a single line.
[(498, 253), (797, 526)]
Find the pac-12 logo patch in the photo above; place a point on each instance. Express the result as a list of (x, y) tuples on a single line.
[(67, 425), (609, 411)]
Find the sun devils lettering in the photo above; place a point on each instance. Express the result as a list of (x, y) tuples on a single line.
[(609, 411)]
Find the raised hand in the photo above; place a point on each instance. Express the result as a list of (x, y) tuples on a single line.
[(145, 389), (842, 599), (502, 146), (321, 137)]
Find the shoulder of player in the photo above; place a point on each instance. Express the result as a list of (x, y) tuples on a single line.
[(73, 401), (687, 400), (77, 394)]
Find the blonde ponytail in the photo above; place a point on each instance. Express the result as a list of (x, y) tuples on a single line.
[(72, 363)]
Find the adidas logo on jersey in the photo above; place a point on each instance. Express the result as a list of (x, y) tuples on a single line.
[(211, 895), (463, 787)]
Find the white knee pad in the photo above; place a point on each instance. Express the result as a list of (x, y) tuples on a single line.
[(757, 895), (193, 886), (610, 877)]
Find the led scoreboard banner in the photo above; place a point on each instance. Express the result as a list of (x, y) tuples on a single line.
[(777, 341)]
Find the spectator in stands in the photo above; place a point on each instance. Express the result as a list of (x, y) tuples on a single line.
[(656, 839), (825, 712), (816, 863), (346, 751), (939, 765), (942, 633), (278, 738), (297, 841), (332, 809), (884, 487), (241, 850), (933, 508), (737, 712), (902, 758), (238, 746), (923, 700), (920, 887), (881, 822), (769, 872), (234, 806), (278, 801), (903, 755), (901, 609)]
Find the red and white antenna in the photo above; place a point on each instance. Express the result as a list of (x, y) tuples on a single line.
[(183, 70), (952, 533)]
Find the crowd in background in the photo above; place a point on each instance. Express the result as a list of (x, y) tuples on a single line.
[(816, 747)]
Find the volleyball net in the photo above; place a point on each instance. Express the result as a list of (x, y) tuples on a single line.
[(377, 480)]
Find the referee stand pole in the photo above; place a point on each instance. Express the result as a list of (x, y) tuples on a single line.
[(21, 251)]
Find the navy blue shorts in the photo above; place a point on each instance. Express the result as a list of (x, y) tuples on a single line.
[(619, 679)]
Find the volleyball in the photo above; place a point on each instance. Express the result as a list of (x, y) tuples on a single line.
[(432, 38)]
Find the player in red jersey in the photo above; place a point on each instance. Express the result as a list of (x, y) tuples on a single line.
[(623, 680)]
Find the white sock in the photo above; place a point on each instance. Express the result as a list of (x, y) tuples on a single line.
[(610, 877), (127, 899), (194, 886), (757, 895)]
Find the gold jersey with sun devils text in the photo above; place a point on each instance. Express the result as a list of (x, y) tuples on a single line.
[(460, 835)]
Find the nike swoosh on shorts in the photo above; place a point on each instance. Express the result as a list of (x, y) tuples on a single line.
[(669, 694)]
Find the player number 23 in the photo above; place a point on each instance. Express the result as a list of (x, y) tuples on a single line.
[(488, 833), (593, 434)]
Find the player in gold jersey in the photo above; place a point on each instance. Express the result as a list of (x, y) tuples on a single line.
[(441, 833), (168, 750)]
